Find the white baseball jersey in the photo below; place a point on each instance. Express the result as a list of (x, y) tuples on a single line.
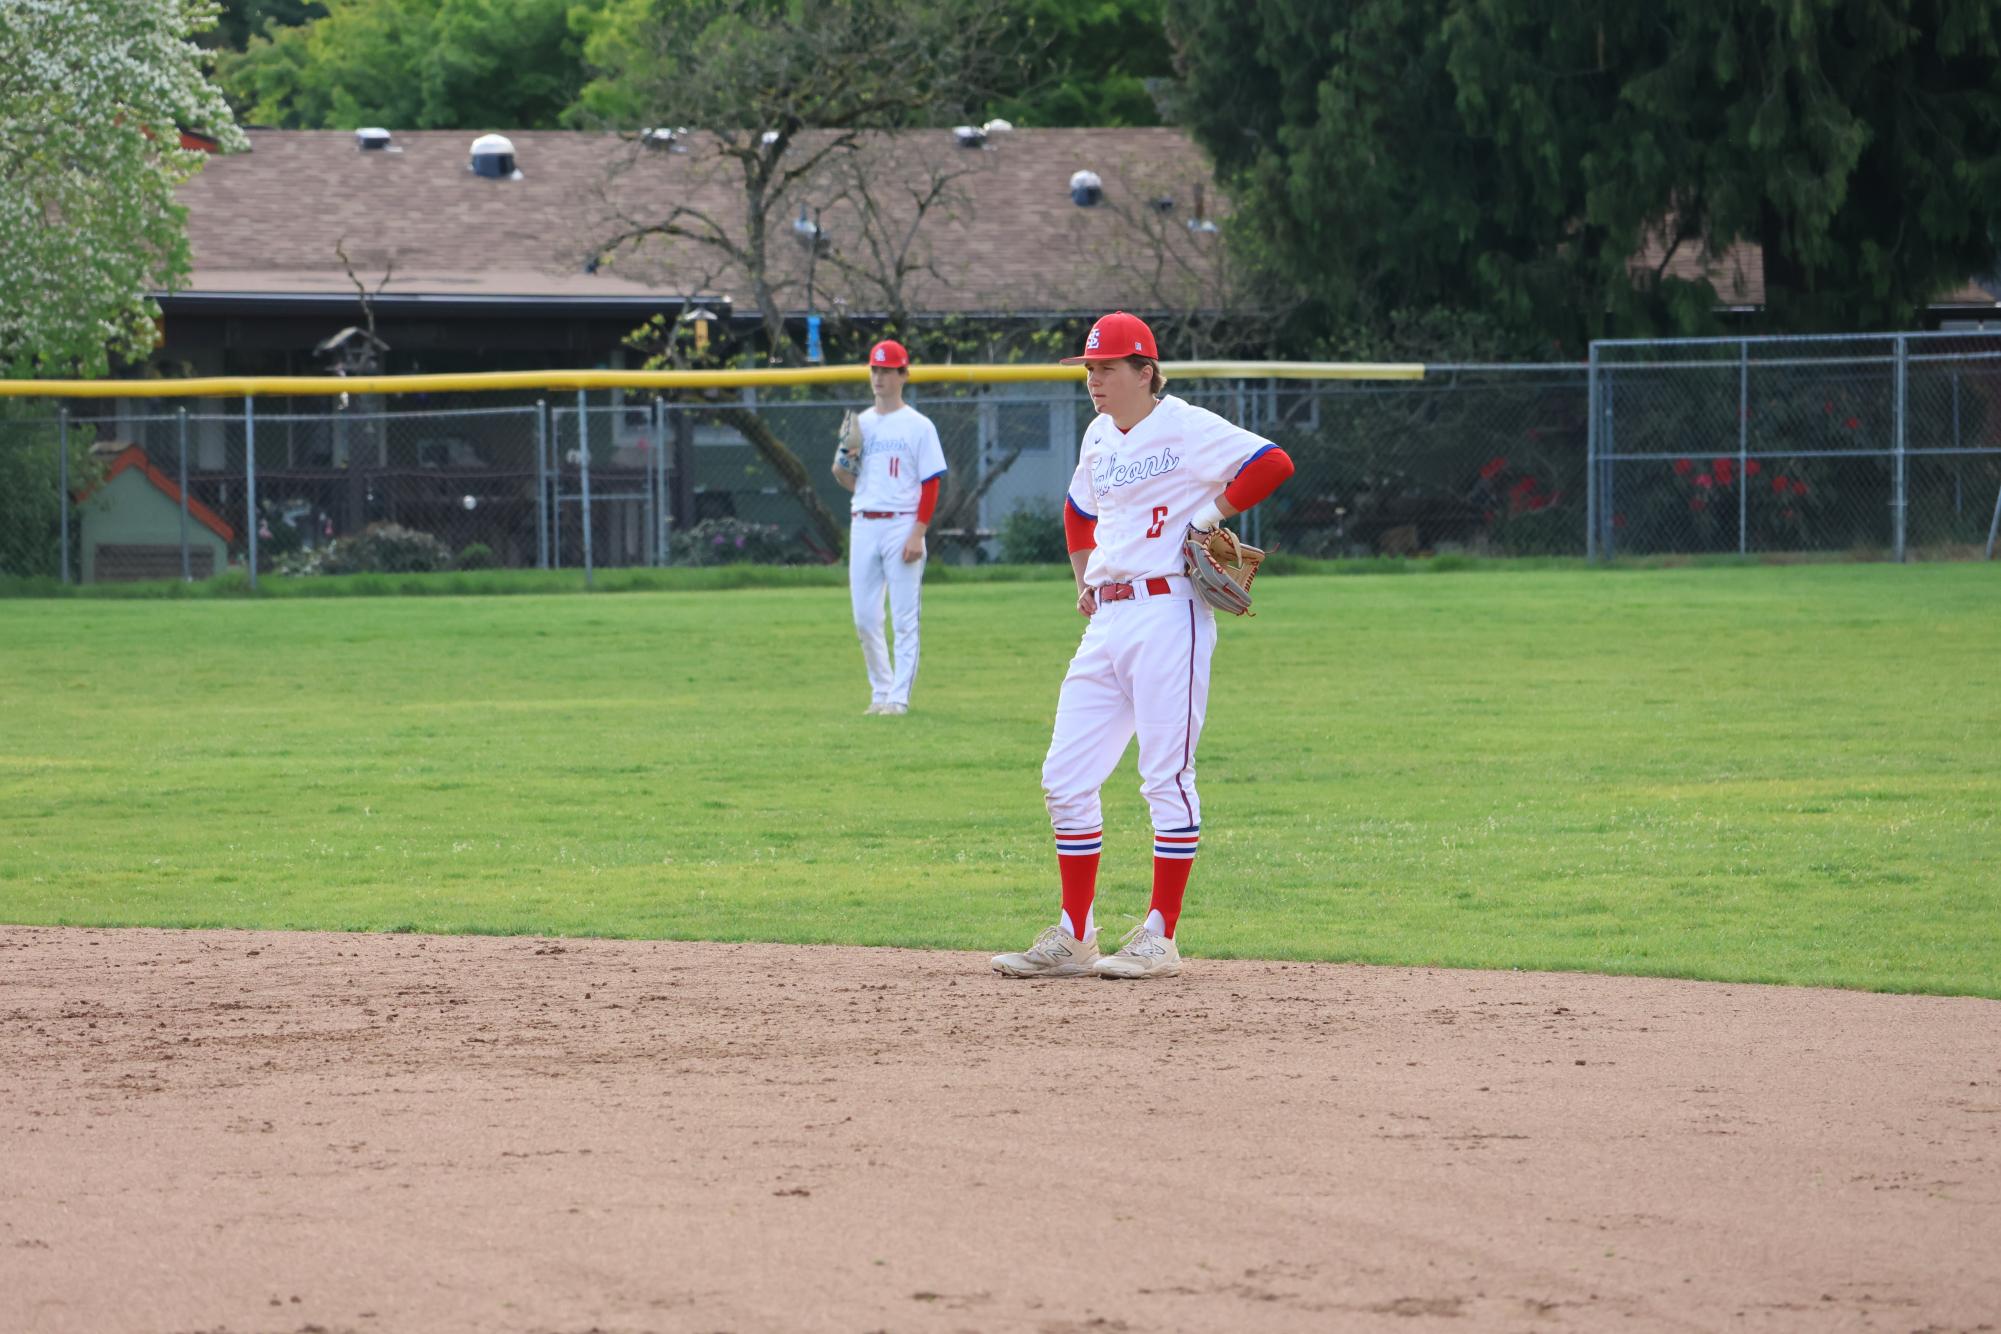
[(1143, 486), (900, 452)]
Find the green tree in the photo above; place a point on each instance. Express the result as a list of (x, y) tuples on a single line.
[(31, 487), (240, 20), (1097, 63), (1513, 159), (469, 64), (93, 96), (414, 64)]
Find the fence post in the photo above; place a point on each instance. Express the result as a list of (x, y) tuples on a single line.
[(541, 483), (662, 516), (1899, 481), (250, 481), (1994, 525), (62, 486), (187, 575), (1743, 445), (650, 510), (1610, 443), (1591, 456), (1958, 459), (584, 465)]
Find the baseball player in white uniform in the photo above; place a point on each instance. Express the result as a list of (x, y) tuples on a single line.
[(891, 459), (1150, 468)]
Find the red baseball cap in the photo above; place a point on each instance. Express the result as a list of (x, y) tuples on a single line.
[(889, 354), (1116, 337)]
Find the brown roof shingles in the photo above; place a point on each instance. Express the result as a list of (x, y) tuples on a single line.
[(1006, 236)]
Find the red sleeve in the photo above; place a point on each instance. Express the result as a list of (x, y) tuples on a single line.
[(1080, 533), (927, 500), (1259, 478)]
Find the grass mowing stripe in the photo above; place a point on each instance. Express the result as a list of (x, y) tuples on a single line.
[(1762, 774)]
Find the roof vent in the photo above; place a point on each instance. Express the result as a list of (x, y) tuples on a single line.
[(768, 138), (1162, 204), (809, 233), (1086, 190), (493, 158), (998, 126), (374, 139), (672, 140), (970, 136)]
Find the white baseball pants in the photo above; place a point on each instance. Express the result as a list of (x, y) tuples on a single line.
[(875, 562), (1143, 667)]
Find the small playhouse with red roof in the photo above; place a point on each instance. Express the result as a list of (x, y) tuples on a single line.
[(132, 525)]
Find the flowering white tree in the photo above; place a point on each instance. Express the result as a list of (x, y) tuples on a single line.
[(93, 97)]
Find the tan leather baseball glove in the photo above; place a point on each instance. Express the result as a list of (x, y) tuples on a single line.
[(849, 454), (1222, 568)]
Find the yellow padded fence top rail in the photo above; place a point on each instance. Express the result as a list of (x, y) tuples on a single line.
[(250, 386)]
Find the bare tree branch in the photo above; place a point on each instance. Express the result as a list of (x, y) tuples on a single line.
[(790, 101)]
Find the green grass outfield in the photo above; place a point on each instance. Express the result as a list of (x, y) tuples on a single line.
[(1767, 774)]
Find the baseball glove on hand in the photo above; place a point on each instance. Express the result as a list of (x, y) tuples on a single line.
[(849, 456), (1222, 568)]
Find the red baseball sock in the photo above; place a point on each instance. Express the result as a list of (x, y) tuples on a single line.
[(1077, 852), (1173, 859)]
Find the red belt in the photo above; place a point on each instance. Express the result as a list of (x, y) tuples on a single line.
[(1120, 592), (882, 514)]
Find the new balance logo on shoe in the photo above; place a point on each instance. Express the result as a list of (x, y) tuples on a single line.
[(1055, 953), (1141, 954)]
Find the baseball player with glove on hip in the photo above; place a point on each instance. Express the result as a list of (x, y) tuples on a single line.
[(889, 456), (1156, 477)]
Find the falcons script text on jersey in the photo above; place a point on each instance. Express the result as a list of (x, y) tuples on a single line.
[(1108, 472)]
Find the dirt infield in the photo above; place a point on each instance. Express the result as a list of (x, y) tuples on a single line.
[(230, 1131)]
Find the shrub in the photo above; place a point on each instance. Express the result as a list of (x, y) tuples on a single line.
[(1033, 536), (475, 556), (737, 542), (276, 539), (381, 548)]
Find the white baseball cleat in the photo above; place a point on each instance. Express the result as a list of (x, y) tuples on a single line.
[(874, 709), (894, 710), (1141, 954), (1055, 953)]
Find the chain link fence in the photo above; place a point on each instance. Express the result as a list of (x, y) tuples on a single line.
[(1481, 459), (1874, 446), (1879, 446)]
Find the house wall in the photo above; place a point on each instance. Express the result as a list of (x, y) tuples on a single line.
[(130, 511), (1048, 422)]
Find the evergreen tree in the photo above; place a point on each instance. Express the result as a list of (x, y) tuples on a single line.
[(1513, 159)]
